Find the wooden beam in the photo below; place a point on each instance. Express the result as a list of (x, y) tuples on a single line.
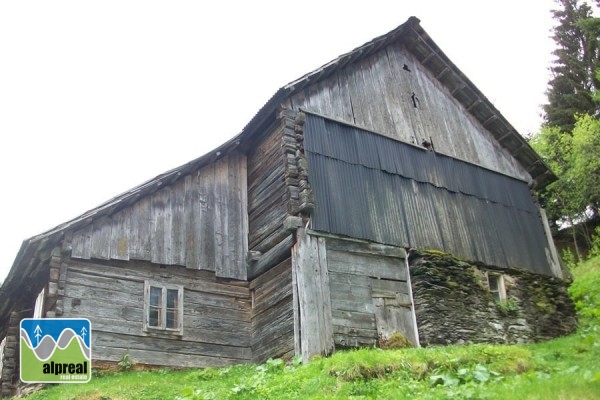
[(309, 266), (271, 258)]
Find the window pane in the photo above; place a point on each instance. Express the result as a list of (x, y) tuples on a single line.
[(172, 308), (496, 296), (154, 317), (155, 296), (493, 282), (172, 296), (172, 318)]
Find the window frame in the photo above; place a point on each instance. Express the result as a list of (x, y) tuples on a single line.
[(501, 287), (163, 308)]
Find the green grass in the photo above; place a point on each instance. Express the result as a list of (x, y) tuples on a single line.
[(564, 368)]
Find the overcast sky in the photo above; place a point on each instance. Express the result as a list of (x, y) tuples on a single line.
[(98, 97)]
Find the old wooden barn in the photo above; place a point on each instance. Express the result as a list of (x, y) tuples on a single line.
[(379, 194)]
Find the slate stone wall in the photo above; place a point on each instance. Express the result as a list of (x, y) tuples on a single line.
[(10, 363), (454, 305)]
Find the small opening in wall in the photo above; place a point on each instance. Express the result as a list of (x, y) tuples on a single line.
[(496, 285)]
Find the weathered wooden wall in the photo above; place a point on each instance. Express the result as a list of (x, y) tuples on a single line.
[(370, 297), (217, 328), (273, 314), (313, 330), (348, 293), (267, 191), (200, 222), (377, 94)]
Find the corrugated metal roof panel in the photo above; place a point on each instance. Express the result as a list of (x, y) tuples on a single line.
[(372, 187)]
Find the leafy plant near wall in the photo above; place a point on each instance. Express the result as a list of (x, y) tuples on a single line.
[(510, 306), (125, 362)]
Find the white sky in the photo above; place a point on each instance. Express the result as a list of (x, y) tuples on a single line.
[(98, 97)]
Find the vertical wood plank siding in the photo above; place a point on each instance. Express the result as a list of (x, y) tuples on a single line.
[(311, 279), (216, 315), (200, 222), (376, 94)]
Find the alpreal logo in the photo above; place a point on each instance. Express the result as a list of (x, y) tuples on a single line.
[(56, 350)]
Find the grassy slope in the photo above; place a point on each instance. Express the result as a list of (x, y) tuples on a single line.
[(565, 368)]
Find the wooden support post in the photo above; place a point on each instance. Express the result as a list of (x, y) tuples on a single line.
[(553, 256), (312, 298)]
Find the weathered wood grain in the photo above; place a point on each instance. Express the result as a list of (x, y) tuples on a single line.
[(199, 221), (359, 264), (217, 315), (361, 246), (309, 260), (267, 191), (169, 347), (156, 357), (375, 93), (272, 313), (275, 255)]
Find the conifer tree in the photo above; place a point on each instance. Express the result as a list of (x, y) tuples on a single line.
[(572, 86)]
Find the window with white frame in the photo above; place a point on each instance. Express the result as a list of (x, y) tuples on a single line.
[(496, 285), (163, 307)]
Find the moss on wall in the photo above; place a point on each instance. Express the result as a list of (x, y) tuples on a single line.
[(453, 303)]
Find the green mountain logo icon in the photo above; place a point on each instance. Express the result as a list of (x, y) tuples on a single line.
[(63, 356)]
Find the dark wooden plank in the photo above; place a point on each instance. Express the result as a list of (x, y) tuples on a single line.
[(353, 319), (202, 282), (178, 228), (377, 267), (207, 250), (363, 247), (388, 288), (110, 353), (82, 243), (171, 346), (342, 340), (192, 222), (274, 256), (310, 264), (134, 328), (119, 240), (100, 240), (273, 273), (140, 246), (161, 226)]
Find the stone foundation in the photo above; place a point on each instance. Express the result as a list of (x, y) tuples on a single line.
[(454, 305)]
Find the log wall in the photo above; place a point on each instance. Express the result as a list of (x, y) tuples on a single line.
[(273, 314), (377, 93), (217, 327), (267, 191), (199, 222)]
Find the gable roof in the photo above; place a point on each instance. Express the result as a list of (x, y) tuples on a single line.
[(420, 44), (35, 251)]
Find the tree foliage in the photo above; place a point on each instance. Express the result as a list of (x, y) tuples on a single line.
[(575, 158), (569, 141), (577, 58)]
